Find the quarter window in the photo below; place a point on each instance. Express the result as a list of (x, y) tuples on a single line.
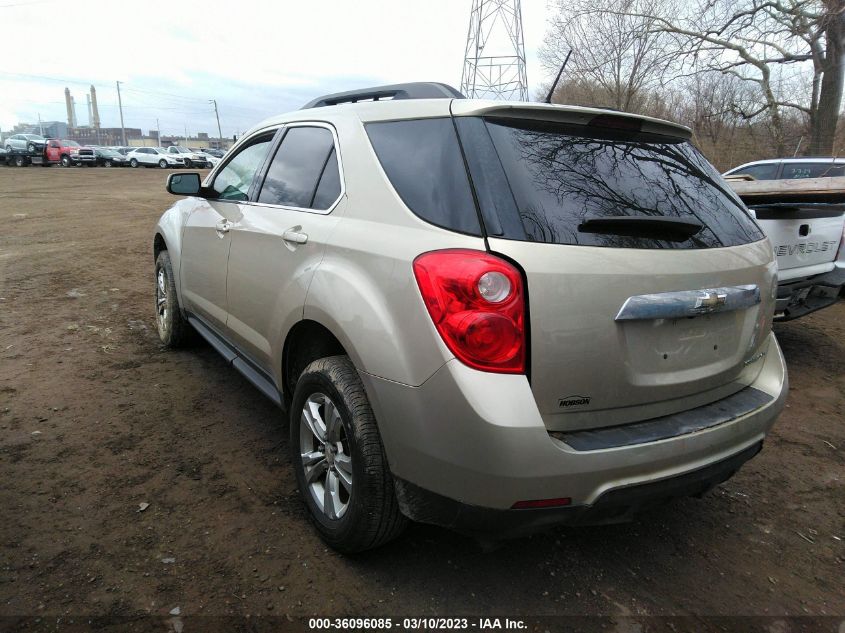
[(301, 165), (234, 180)]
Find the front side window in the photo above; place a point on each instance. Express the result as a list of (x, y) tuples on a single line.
[(300, 165), (234, 180), (767, 171)]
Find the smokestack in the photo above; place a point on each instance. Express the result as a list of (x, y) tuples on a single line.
[(94, 111), (90, 118), (69, 106), (73, 111)]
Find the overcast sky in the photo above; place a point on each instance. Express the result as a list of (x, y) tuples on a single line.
[(257, 58)]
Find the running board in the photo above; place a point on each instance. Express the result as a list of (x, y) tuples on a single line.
[(254, 375)]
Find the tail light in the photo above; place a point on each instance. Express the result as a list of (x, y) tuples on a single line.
[(477, 303)]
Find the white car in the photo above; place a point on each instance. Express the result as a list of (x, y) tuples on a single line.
[(790, 168), (211, 160), (191, 159), (152, 156), (29, 142)]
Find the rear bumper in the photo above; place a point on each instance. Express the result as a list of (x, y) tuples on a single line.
[(615, 506), (800, 298), (478, 440)]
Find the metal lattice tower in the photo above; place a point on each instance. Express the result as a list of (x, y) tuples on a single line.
[(494, 61)]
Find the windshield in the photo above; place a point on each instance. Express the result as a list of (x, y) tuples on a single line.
[(562, 177), (181, 150)]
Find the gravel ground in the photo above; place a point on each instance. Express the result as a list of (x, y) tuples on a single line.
[(96, 418)]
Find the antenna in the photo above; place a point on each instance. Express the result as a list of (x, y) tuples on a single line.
[(557, 79), (494, 58)]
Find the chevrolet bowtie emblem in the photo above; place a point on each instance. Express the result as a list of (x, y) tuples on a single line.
[(710, 301)]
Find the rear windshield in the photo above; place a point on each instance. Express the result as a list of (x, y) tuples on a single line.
[(544, 182)]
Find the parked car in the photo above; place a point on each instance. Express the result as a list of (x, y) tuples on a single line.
[(211, 160), (153, 156), (217, 153), (123, 150), (108, 157), (32, 143), (191, 159), (805, 222), (491, 316), (64, 151), (790, 168)]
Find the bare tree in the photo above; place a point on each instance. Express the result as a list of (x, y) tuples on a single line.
[(618, 58), (755, 40)]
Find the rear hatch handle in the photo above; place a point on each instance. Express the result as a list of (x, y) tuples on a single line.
[(688, 303)]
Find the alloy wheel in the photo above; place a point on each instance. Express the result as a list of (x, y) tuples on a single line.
[(326, 456), (161, 299)]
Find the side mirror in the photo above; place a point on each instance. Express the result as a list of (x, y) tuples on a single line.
[(188, 184)]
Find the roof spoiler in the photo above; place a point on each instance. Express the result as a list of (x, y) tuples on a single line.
[(415, 90)]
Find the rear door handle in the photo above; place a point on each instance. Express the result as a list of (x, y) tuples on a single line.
[(294, 237)]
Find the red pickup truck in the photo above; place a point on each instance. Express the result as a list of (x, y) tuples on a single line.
[(68, 152)]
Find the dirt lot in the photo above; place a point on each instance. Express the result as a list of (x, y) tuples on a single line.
[(96, 418)]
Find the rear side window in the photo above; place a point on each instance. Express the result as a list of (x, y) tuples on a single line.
[(422, 160), (578, 185), (812, 170), (298, 169)]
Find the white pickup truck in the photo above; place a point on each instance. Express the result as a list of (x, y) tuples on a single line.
[(804, 219)]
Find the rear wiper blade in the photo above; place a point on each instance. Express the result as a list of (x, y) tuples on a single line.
[(672, 229)]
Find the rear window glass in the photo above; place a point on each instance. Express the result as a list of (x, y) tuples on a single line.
[(423, 161), (812, 170), (563, 177)]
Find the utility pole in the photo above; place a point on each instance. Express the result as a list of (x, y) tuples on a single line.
[(216, 114), (40, 127), (120, 106), (158, 133)]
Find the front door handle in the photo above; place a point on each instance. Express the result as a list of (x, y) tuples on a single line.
[(294, 237), (224, 226)]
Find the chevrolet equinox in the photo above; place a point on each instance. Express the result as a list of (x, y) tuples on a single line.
[(489, 316)]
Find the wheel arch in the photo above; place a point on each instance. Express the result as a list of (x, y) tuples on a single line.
[(307, 341)]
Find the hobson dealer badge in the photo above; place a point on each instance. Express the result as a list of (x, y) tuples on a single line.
[(568, 402)]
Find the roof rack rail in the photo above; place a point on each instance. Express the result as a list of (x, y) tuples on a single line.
[(415, 90)]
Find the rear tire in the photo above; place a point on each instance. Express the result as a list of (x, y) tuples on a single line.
[(173, 328), (162, 163), (133, 162), (344, 455), (20, 161)]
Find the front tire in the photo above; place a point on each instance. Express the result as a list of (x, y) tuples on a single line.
[(162, 163), (133, 162), (173, 329), (66, 161), (340, 463), (188, 163), (31, 148)]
